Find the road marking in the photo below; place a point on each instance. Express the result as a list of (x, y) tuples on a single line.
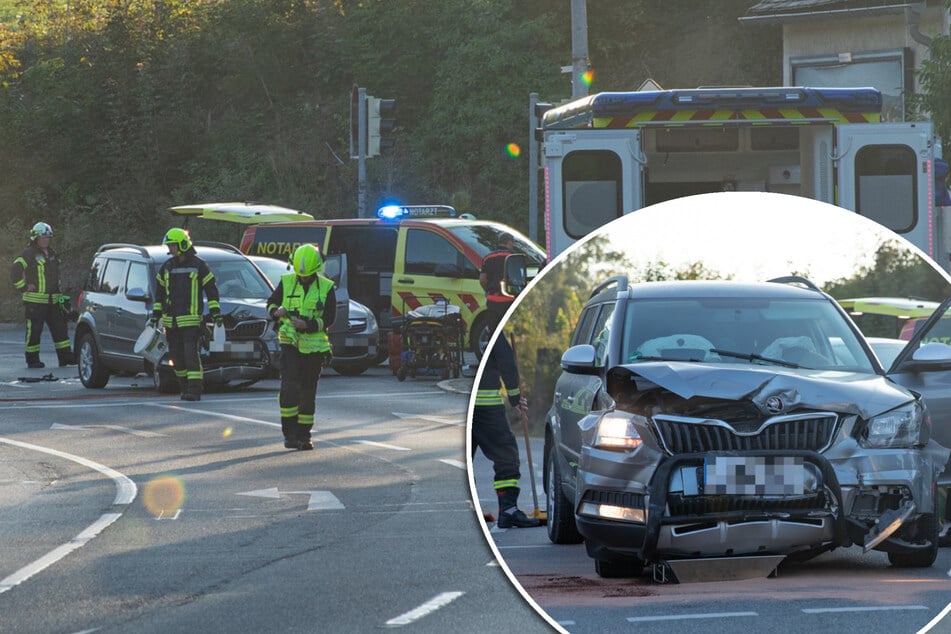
[(207, 412), (319, 500), (674, 617), (454, 463), (442, 420), (870, 608), (124, 430), (384, 445), (125, 494), (437, 602), (936, 619)]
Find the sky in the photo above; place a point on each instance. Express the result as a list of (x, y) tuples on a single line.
[(752, 236)]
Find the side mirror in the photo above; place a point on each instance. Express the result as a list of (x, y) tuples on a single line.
[(579, 359), (931, 356), (515, 275), (137, 294)]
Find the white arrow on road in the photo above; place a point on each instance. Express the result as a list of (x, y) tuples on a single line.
[(319, 500), (124, 430)]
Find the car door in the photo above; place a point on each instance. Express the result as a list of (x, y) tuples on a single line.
[(335, 267), (930, 374)]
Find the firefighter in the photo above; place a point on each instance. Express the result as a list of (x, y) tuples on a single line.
[(35, 274), (305, 305), (491, 276), (178, 305), (492, 433)]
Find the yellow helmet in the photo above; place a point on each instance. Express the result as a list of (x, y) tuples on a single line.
[(307, 260), (179, 238)]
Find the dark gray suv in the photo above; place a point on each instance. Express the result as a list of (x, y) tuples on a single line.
[(710, 421), (117, 301)]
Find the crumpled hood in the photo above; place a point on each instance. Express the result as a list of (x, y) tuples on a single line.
[(244, 308), (845, 392)]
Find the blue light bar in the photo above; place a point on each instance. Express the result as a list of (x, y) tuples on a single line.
[(397, 212), (390, 212)]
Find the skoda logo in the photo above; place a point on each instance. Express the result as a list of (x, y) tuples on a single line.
[(774, 405)]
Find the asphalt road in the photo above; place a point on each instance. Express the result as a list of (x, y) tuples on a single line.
[(844, 591), (124, 510)]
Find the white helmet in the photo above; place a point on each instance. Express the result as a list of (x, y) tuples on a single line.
[(41, 229)]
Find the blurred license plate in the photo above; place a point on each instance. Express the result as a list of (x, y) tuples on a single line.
[(754, 475)]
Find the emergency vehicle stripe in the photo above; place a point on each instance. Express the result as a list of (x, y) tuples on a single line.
[(673, 117), (470, 301)]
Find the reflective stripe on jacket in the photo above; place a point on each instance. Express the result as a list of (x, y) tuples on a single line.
[(306, 303), (39, 269), (178, 295)]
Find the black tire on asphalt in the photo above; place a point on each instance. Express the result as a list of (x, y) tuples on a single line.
[(89, 364), (620, 568), (926, 529), (561, 525), (165, 381)]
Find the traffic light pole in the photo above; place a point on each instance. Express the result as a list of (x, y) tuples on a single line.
[(362, 154)]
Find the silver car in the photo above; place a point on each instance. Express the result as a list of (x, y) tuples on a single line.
[(706, 421)]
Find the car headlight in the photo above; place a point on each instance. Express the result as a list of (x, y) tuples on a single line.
[(616, 432), (901, 427)]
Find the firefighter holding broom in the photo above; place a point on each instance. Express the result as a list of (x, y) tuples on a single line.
[(492, 434)]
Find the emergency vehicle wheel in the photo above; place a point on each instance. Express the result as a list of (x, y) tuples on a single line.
[(91, 371), (401, 374)]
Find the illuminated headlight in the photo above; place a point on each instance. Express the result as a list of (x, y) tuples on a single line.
[(900, 427), (616, 433), (610, 512)]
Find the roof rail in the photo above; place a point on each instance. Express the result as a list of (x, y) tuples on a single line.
[(122, 245), (619, 280), (217, 245), (796, 279)]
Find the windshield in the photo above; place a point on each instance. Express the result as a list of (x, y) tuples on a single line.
[(238, 279), (483, 238), (798, 333)]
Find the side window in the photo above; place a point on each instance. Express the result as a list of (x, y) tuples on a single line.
[(113, 276), (425, 250), (368, 248), (94, 279), (602, 334), (585, 326), (885, 185), (138, 277), (592, 190)]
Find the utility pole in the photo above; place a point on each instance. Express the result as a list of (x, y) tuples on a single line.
[(362, 156), (579, 48), (532, 168)]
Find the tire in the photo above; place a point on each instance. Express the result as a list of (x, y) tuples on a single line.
[(561, 518), (92, 373), (401, 374), (349, 369), (619, 568), (165, 382), (925, 529), (479, 335)]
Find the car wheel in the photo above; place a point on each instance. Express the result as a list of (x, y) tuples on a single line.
[(91, 371), (561, 518), (165, 380), (401, 374), (926, 529), (349, 369), (479, 336), (618, 568)]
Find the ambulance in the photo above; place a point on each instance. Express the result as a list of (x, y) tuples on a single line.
[(407, 257), (612, 153)]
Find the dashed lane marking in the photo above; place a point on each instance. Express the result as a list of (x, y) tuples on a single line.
[(676, 617), (437, 602), (383, 445)]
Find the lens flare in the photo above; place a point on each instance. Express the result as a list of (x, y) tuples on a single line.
[(163, 496), (226, 433), (513, 150), (587, 77)]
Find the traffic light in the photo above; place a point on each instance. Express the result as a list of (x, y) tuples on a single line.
[(381, 122)]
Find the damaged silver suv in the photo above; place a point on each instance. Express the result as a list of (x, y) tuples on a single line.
[(717, 420)]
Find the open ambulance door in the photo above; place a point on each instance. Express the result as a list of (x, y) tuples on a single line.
[(591, 177), (885, 172)]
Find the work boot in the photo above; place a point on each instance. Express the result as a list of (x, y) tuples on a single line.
[(33, 360), (66, 358), (288, 428), (514, 518), (304, 443), (191, 396)]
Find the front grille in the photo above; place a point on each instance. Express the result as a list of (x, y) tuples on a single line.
[(813, 431), (680, 505), (615, 498), (247, 330), (356, 326)]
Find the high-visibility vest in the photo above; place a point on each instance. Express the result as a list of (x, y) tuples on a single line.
[(39, 269), (309, 304)]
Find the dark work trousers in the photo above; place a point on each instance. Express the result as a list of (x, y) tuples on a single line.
[(495, 311), (298, 397), (492, 434), (183, 351), (53, 316)]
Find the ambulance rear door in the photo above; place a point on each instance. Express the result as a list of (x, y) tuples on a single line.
[(885, 172), (591, 177)]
